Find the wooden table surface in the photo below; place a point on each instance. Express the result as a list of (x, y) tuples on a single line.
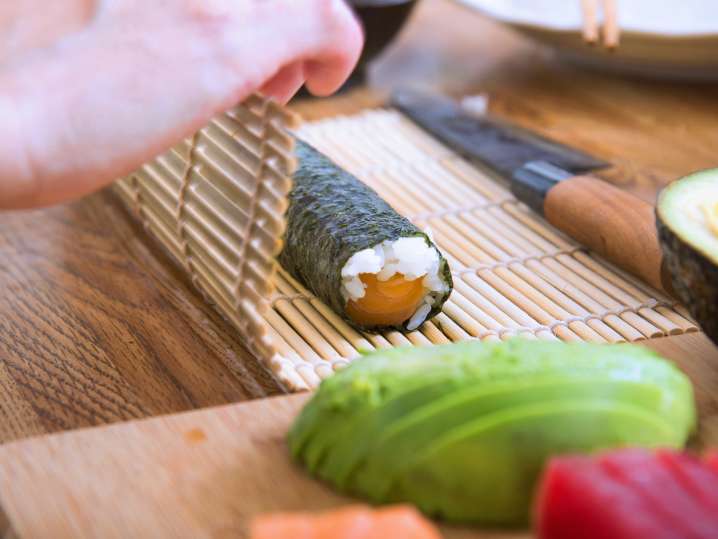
[(96, 326)]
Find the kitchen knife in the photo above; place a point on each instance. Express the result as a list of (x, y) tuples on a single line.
[(552, 179)]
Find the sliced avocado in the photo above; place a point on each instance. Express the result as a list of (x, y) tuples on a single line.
[(375, 427), (368, 385), (360, 431), (687, 221), (410, 378), (363, 435), (486, 470), (435, 420)]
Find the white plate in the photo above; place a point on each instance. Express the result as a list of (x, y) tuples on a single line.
[(665, 38)]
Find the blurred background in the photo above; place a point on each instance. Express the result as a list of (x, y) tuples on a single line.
[(655, 38), (530, 59)]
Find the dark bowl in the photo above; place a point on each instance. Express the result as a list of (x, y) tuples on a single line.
[(382, 21)]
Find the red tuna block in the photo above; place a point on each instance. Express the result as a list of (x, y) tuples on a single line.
[(695, 475), (627, 494), (712, 460)]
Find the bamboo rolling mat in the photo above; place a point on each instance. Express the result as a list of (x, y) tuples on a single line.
[(514, 274)]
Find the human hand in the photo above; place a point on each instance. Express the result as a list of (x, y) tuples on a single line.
[(138, 76)]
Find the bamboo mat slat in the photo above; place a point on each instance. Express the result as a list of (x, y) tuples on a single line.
[(514, 274)]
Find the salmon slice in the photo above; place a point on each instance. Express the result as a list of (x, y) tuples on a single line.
[(387, 303), (353, 522)]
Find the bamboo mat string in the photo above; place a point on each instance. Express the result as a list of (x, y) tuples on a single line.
[(596, 295), (180, 213), (426, 216), (251, 210), (520, 260), (136, 196), (541, 307)]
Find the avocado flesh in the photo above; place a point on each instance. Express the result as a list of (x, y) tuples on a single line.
[(430, 423), (373, 386), (504, 453), (376, 428), (686, 218), (401, 392), (389, 374), (361, 429)]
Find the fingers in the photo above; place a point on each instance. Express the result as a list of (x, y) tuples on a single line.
[(322, 41), (286, 83), (120, 96), (337, 53)]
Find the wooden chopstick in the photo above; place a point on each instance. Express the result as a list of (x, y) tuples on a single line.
[(610, 24), (590, 20), (610, 30)]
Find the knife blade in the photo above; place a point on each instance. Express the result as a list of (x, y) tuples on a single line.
[(500, 145), (551, 179)]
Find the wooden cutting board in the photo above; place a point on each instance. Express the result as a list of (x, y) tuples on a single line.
[(199, 474), (206, 473)]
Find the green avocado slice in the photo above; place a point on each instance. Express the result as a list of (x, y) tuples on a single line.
[(365, 386), (371, 381), (430, 422), (357, 409), (503, 454), (359, 430), (373, 427), (408, 378)]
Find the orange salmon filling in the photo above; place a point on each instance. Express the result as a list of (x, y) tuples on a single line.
[(386, 303)]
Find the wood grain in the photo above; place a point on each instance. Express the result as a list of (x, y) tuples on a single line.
[(204, 473), (610, 221), (198, 475), (96, 327)]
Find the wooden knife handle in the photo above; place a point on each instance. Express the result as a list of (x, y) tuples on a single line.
[(616, 224)]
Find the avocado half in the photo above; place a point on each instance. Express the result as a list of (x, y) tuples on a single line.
[(687, 221)]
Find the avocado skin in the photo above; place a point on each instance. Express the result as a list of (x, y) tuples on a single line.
[(693, 276), (482, 468)]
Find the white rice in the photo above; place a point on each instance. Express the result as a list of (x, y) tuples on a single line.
[(412, 257)]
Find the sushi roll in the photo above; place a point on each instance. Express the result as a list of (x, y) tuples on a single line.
[(372, 266)]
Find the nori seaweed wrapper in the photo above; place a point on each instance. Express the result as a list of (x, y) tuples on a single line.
[(332, 215)]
